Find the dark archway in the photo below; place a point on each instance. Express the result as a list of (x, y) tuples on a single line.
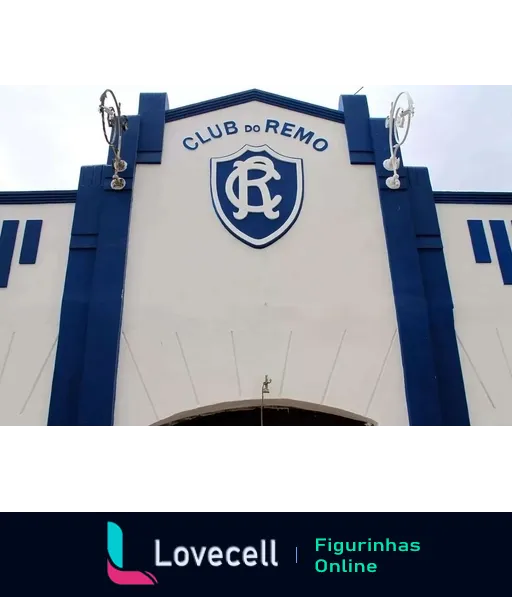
[(273, 415)]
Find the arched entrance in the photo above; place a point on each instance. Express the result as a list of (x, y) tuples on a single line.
[(277, 413)]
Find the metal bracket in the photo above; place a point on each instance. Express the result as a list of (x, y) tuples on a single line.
[(398, 118), (112, 118)]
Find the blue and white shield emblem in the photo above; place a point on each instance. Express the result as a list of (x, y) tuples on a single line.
[(257, 193)]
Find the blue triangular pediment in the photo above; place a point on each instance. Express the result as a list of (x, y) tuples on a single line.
[(254, 95)]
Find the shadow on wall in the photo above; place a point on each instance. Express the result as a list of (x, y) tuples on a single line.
[(275, 413)]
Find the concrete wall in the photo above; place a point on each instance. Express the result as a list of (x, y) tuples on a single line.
[(483, 313), (29, 314), (206, 317)]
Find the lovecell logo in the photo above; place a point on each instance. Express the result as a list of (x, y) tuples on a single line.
[(115, 561), (176, 557), (264, 555)]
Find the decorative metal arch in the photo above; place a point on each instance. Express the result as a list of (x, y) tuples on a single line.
[(111, 117), (398, 118)]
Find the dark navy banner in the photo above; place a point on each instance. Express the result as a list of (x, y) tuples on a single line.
[(256, 554)]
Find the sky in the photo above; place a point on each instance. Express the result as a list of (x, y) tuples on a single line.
[(463, 134)]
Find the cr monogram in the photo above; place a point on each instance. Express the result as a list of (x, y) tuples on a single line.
[(241, 173), (249, 186)]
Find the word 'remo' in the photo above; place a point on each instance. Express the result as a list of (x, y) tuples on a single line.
[(286, 129)]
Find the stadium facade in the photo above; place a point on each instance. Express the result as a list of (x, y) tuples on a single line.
[(255, 255)]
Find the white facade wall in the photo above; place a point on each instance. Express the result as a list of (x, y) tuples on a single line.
[(29, 315), (483, 313), (206, 317)]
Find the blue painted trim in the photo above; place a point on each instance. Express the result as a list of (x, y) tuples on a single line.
[(152, 109), (83, 390), (434, 384), (479, 241), (84, 241), (425, 243), (7, 243), (503, 250), (254, 95), (450, 379), (67, 375), (419, 367), (30, 246), (36, 197), (357, 122), (98, 384), (469, 198)]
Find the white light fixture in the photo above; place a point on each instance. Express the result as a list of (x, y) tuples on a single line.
[(111, 116), (399, 118)]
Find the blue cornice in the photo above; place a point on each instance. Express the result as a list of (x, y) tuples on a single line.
[(472, 198), (254, 95), (441, 197), (36, 197)]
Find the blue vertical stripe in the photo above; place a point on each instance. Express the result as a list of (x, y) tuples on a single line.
[(450, 380), (357, 126), (30, 246), (67, 375), (105, 308), (7, 242), (479, 241), (152, 107), (85, 374), (411, 300), (503, 250)]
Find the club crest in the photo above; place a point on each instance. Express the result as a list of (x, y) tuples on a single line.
[(257, 193)]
